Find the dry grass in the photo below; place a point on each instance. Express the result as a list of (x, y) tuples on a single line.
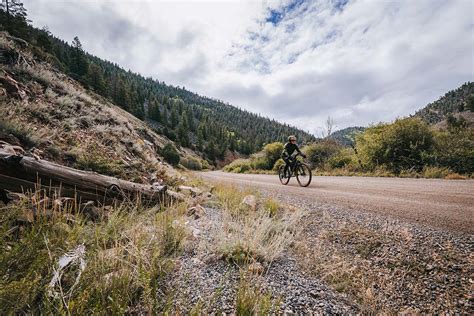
[(242, 235), (251, 299), (129, 252), (455, 176)]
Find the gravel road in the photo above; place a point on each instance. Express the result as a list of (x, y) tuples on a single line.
[(446, 204)]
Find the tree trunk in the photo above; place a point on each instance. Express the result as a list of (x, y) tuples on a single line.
[(21, 173)]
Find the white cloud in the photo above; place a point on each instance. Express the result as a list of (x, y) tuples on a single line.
[(360, 62)]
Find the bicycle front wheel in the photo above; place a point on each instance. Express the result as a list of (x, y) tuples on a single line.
[(284, 178), (303, 175)]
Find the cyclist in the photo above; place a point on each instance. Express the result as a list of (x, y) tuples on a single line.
[(288, 154)]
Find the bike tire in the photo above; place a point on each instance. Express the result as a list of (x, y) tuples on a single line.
[(303, 175), (281, 173)]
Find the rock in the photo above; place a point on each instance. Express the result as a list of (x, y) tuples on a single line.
[(255, 268), (190, 190), (197, 211), (13, 87), (250, 201)]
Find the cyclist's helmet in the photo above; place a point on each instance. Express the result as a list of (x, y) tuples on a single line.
[(292, 137)]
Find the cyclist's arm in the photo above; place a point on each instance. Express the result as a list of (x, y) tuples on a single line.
[(300, 152)]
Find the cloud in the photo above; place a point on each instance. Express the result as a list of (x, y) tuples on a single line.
[(358, 61)]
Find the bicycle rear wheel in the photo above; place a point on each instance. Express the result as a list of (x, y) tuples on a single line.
[(303, 175), (281, 174)]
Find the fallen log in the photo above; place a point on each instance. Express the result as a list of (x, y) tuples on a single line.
[(22, 173)]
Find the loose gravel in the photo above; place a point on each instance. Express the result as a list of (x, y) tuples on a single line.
[(212, 283)]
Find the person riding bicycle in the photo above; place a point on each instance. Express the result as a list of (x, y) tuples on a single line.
[(288, 154)]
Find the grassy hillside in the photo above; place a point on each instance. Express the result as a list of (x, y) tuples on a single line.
[(55, 117), (205, 125)]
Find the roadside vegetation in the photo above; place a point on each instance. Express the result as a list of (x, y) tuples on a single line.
[(56, 260), (405, 148)]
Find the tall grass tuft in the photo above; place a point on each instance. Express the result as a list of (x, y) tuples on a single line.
[(243, 235)]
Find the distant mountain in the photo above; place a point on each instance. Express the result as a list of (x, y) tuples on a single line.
[(458, 103), (208, 126), (453, 102), (347, 135)]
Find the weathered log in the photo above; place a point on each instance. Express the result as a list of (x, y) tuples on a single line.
[(20, 173)]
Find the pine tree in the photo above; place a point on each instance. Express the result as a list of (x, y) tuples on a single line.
[(14, 8), (79, 61), (95, 78)]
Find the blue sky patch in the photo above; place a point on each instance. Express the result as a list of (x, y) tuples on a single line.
[(275, 16)]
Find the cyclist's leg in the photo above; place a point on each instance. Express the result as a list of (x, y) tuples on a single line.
[(287, 166)]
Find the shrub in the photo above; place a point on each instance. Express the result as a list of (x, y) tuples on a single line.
[(266, 158), (402, 145), (238, 166), (170, 154), (319, 153), (345, 157), (191, 163), (455, 150), (272, 153)]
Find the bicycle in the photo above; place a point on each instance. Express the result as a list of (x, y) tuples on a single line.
[(297, 169)]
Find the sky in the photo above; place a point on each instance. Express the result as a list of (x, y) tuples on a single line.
[(358, 61)]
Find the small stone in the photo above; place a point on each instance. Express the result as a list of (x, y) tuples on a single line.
[(250, 201), (314, 293)]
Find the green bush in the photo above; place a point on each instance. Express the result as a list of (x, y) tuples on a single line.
[(319, 153), (266, 158), (272, 153), (192, 163), (170, 153), (344, 158), (238, 166), (455, 150), (403, 145)]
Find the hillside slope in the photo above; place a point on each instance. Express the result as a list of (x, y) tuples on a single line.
[(346, 136), (53, 116), (454, 101), (206, 125)]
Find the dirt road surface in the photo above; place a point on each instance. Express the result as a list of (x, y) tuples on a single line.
[(447, 204)]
